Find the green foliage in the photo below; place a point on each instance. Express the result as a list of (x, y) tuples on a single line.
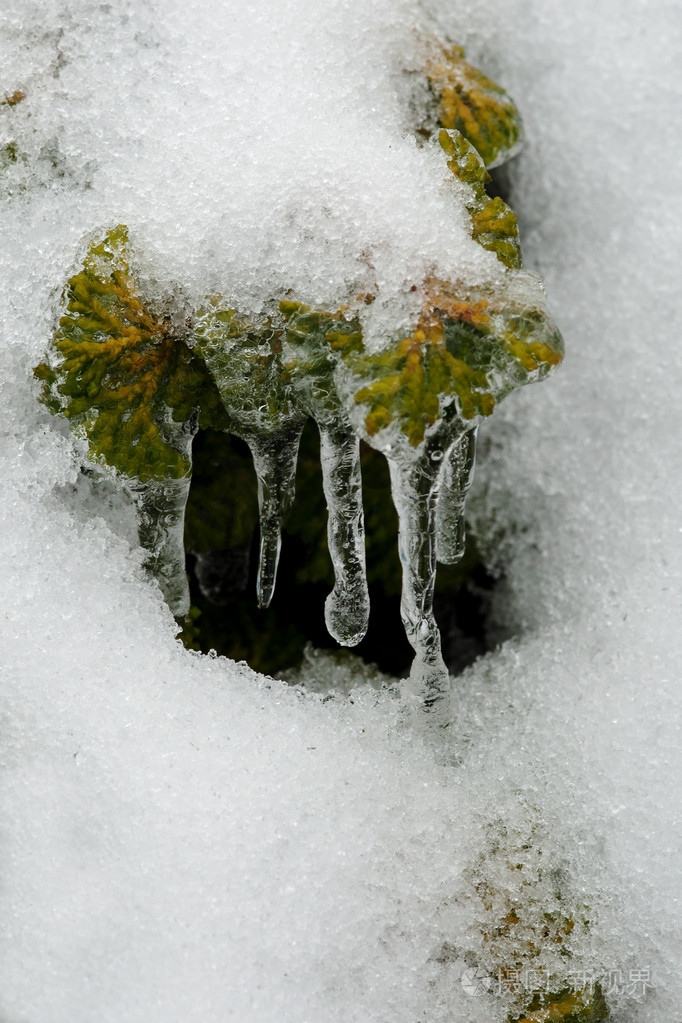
[(408, 382), (470, 347), (120, 373), (137, 386), (470, 103), (493, 224), (473, 346), (566, 1006)]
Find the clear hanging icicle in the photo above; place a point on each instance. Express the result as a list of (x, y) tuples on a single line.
[(347, 606), (274, 457), (456, 476), (160, 507), (415, 482), (311, 364), (244, 359)]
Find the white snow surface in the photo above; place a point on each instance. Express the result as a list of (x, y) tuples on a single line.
[(185, 840)]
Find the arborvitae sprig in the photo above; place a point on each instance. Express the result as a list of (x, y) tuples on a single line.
[(409, 382), (493, 223), (120, 373), (137, 386), (469, 102)]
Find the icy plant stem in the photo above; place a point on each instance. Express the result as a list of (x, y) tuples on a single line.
[(347, 606), (274, 458), (457, 474), (160, 508), (414, 485)]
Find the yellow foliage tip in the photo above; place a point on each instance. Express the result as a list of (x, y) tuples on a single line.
[(472, 103), (13, 100)]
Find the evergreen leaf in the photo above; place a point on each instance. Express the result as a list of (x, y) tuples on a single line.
[(493, 223), (471, 103), (120, 373)]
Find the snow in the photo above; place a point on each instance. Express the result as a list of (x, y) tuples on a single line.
[(185, 840)]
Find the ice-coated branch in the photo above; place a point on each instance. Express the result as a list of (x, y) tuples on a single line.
[(137, 386)]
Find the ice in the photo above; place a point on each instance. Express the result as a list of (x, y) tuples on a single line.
[(160, 507), (456, 477), (260, 410), (347, 606), (274, 459), (311, 367), (414, 485), (185, 839)]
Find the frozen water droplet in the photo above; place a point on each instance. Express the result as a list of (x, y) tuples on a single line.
[(436, 455), (347, 606), (457, 474)]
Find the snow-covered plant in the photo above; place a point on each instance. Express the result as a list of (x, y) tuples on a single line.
[(136, 380), (530, 928)]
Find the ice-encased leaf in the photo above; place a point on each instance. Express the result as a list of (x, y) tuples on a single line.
[(470, 346), (120, 373), (514, 341), (309, 359), (124, 379), (471, 103), (493, 223), (407, 383)]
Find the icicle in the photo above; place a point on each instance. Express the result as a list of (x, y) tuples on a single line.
[(456, 476), (160, 506), (347, 606), (414, 484), (274, 458)]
